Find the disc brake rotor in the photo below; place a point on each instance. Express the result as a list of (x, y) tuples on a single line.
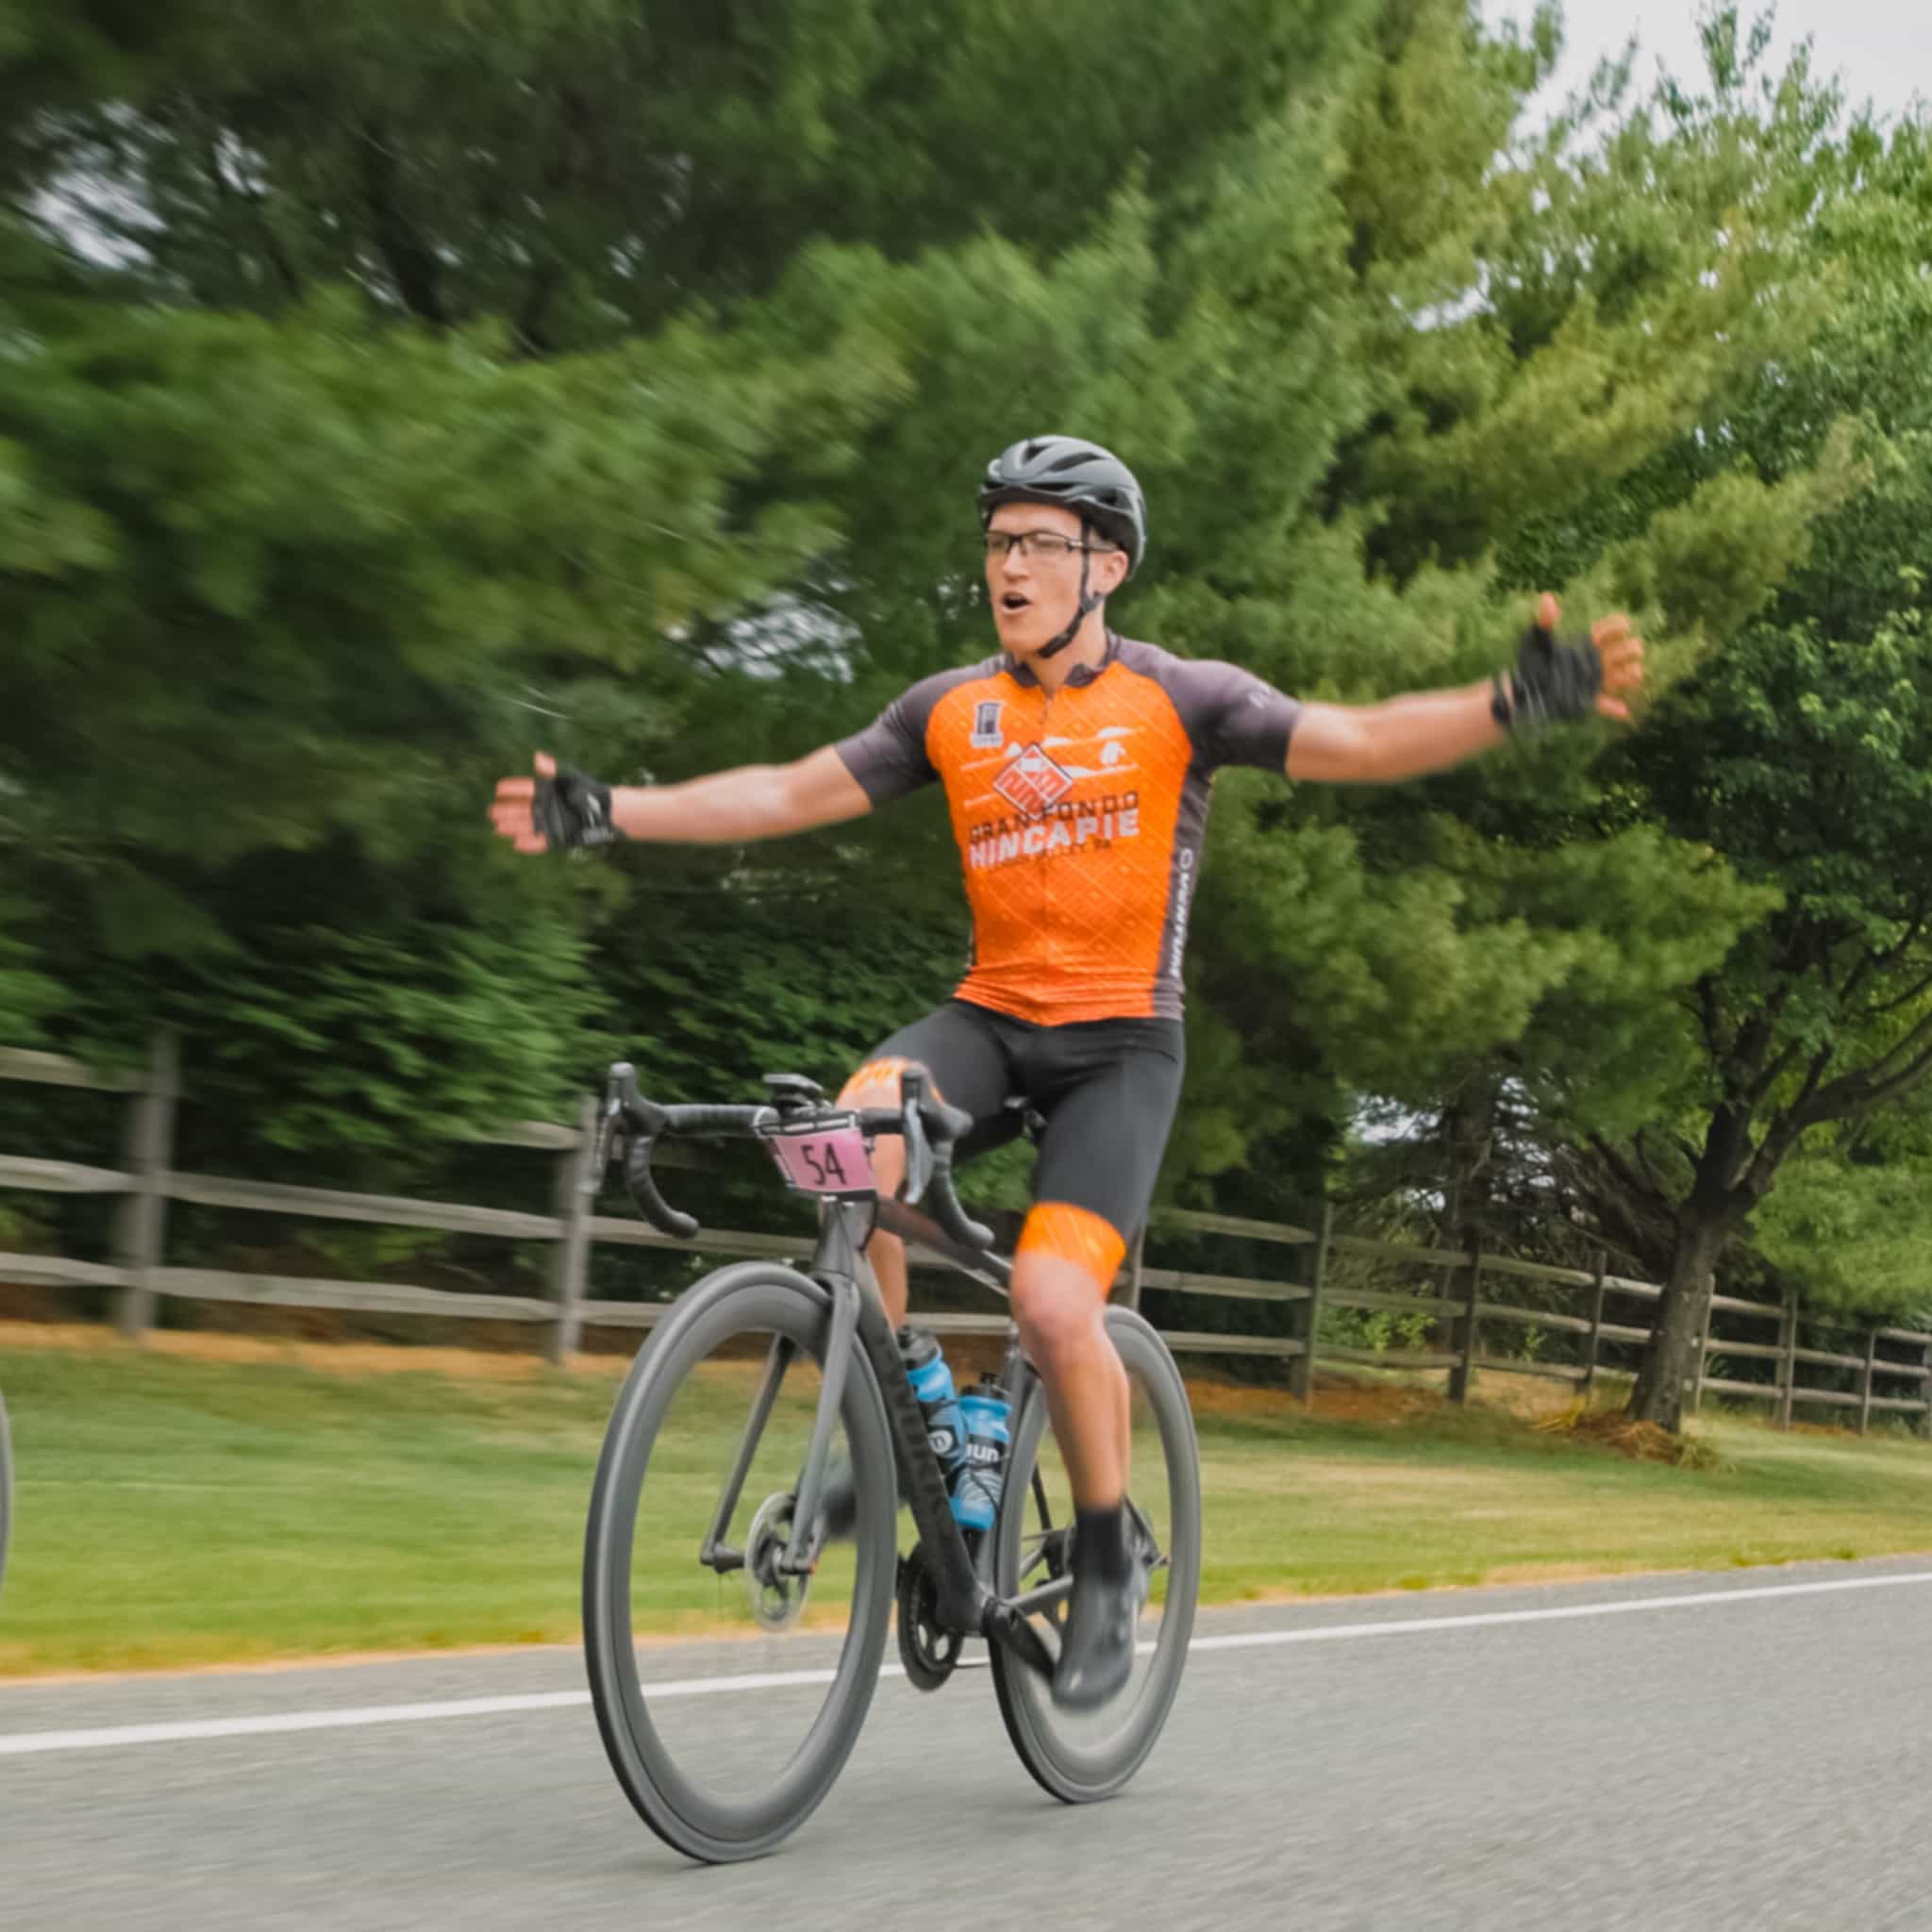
[(778, 1598)]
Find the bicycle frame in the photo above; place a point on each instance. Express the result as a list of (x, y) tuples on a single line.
[(965, 1602)]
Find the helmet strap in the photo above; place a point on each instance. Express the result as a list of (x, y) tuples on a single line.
[(1089, 602)]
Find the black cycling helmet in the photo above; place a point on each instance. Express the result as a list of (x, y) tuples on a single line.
[(1078, 475)]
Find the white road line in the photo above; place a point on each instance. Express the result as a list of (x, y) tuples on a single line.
[(1404, 1626), (188, 1731), (109, 1737)]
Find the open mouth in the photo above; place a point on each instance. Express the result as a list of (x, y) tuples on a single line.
[(1012, 601)]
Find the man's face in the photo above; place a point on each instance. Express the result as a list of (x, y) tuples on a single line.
[(1034, 598)]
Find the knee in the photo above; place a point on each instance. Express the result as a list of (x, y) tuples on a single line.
[(1059, 1309), (1062, 1272), (1060, 1299)]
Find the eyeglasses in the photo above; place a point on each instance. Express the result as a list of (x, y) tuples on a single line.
[(1039, 546)]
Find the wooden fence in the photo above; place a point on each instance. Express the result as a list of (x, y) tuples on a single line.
[(1886, 1381)]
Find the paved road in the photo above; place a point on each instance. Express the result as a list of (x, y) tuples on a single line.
[(1760, 1761)]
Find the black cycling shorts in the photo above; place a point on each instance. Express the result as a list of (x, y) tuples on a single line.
[(1106, 1090)]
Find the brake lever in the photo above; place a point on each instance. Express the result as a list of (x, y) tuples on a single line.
[(622, 1080), (918, 1153), (929, 1160)]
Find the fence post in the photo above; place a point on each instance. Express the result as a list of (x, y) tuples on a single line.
[(1788, 1362), (1128, 1294), (1462, 1378), (1300, 1368), (1870, 1369), (1600, 1269), (1925, 1390), (1703, 1343), (147, 1153), (572, 1262)]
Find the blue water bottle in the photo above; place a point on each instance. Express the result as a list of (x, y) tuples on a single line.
[(985, 1414), (932, 1382)]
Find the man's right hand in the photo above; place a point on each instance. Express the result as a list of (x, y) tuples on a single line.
[(553, 811)]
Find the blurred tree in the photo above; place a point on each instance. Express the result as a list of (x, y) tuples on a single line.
[(649, 430)]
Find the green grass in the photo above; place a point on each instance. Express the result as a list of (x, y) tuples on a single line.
[(174, 1511)]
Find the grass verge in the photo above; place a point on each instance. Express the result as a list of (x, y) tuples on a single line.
[(201, 1502)]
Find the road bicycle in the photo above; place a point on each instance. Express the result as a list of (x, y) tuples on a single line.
[(704, 1519)]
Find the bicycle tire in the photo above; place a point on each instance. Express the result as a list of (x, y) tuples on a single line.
[(748, 1298), (1082, 1769)]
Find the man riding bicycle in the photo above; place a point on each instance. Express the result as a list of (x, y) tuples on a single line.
[(1077, 767)]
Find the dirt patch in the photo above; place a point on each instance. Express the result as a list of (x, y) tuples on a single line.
[(1530, 1397), (1638, 1441), (350, 1359), (1336, 1398), (1373, 1402)]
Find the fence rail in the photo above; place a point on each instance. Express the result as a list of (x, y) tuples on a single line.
[(147, 1183)]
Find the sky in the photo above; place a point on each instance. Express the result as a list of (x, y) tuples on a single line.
[(1882, 49)]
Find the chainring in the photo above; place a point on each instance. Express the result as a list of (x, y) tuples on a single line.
[(929, 1652)]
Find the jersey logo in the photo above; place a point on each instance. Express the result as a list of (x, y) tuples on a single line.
[(1032, 782), (987, 734)]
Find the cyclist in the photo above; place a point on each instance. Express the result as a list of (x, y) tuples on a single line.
[(1077, 766)]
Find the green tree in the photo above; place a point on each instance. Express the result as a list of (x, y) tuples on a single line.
[(588, 170), (1797, 756)]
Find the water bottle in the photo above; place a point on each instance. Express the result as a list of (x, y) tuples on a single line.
[(932, 1382), (985, 1414)]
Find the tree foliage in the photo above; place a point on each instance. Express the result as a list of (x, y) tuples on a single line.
[(385, 393)]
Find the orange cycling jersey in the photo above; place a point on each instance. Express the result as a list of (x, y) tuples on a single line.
[(1079, 815)]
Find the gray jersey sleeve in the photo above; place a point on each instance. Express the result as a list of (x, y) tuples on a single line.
[(888, 757), (1233, 717)]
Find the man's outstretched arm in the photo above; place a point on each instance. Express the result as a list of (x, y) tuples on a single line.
[(725, 808), (1430, 731)]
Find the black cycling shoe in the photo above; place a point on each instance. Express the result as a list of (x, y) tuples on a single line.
[(838, 1501), (1097, 1653)]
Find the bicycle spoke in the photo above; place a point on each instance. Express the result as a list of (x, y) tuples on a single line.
[(1049, 1600), (1050, 1546)]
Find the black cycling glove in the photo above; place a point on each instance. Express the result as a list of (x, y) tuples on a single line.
[(1551, 682), (573, 809)]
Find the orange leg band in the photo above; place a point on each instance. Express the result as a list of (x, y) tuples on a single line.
[(1074, 1234), (882, 1077)]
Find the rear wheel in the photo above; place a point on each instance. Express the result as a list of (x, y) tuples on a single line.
[(1080, 1757), (729, 1740)]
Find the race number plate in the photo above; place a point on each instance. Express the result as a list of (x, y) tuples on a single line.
[(826, 1161)]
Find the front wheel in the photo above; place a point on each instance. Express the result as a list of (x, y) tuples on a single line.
[(1083, 1757), (727, 1746)]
